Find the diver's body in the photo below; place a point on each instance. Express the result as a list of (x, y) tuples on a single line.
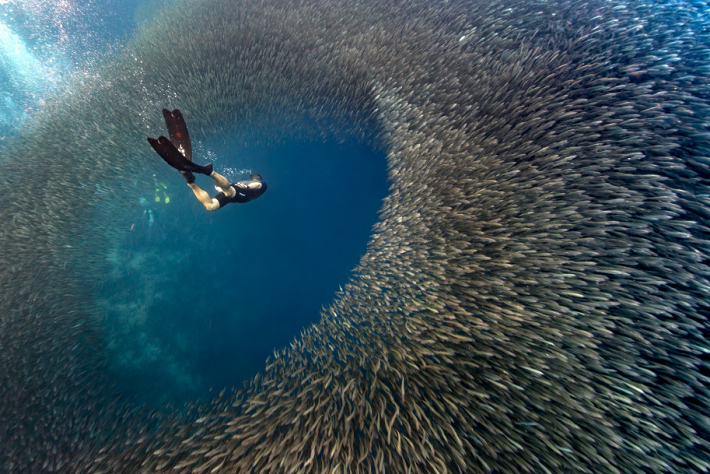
[(177, 152), (241, 191)]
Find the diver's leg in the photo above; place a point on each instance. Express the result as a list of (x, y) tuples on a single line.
[(202, 196), (223, 184)]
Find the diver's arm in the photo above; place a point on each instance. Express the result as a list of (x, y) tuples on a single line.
[(202, 196)]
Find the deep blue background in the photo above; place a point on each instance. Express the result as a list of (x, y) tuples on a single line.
[(198, 300)]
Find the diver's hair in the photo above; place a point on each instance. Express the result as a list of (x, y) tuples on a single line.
[(256, 177)]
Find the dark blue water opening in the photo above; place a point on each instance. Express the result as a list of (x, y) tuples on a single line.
[(195, 301)]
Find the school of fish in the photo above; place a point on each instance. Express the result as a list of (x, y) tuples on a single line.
[(534, 297)]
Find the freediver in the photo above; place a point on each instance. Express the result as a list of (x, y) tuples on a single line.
[(177, 152)]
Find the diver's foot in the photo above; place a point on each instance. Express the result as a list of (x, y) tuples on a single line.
[(207, 169), (189, 177)]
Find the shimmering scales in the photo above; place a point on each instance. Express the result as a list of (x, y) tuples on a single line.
[(534, 297)]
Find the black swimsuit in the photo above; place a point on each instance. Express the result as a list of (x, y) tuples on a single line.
[(243, 193)]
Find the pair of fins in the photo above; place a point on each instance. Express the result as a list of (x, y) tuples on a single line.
[(177, 152)]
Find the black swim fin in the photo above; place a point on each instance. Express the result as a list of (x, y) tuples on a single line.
[(177, 128), (189, 177), (174, 158), (180, 138)]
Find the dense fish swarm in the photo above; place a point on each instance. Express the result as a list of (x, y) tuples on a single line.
[(533, 299)]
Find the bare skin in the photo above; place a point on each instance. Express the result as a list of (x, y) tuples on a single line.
[(202, 196)]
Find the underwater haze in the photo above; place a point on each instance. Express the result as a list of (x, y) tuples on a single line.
[(484, 246), (46, 44)]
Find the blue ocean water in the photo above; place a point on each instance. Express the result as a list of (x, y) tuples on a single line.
[(197, 300), (194, 301)]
